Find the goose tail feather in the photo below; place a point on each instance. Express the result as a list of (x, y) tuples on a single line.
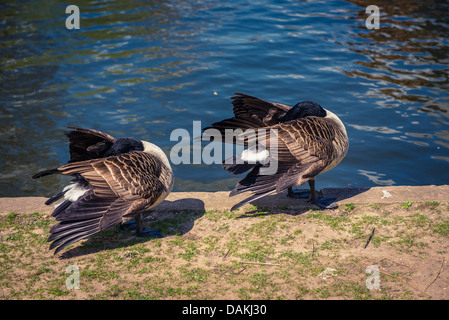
[(44, 173), (252, 198)]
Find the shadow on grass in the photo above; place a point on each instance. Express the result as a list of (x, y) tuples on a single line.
[(280, 203), (170, 218), (178, 217)]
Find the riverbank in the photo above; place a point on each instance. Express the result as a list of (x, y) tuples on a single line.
[(380, 243), (200, 201)]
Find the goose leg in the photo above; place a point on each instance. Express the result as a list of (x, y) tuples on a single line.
[(136, 224), (143, 232), (296, 194), (324, 203), (130, 225)]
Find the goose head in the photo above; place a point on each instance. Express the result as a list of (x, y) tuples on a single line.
[(304, 109), (124, 145)]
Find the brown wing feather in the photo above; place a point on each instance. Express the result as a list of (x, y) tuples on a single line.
[(304, 149), (251, 112), (85, 217), (269, 113), (305, 140), (310, 142), (86, 144), (131, 176)]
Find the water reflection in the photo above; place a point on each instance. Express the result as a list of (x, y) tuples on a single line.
[(51, 77), (408, 56), (146, 68), (377, 178), (404, 66)]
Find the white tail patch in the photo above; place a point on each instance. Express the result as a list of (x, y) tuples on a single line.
[(253, 155), (75, 191)]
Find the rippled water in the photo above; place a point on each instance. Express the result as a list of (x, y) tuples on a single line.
[(143, 69)]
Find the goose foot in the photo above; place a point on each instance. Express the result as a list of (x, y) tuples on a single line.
[(323, 203), (140, 232)]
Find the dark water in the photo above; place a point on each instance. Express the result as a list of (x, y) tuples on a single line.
[(146, 68)]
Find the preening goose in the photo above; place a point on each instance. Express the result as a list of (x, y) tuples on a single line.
[(310, 140), (115, 180)]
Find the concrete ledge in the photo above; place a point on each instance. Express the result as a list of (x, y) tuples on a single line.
[(200, 201)]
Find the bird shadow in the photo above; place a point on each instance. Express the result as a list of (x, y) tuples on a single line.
[(280, 203), (178, 217), (169, 217)]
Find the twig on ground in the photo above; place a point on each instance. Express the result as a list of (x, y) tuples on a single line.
[(398, 263), (240, 271), (402, 281), (260, 263), (227, 254), (441, 268), (369, 239), (223, 272)]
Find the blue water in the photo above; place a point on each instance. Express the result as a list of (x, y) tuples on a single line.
[(146, 68)]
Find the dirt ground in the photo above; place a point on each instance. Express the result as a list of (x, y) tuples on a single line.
[(379, 244)]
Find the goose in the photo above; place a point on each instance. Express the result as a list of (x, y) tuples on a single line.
[(114, 180), (310, 140)]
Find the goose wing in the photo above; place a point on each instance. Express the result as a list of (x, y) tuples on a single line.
[(131, 176), (86, 144), (305, 148), (311, 142), (268, 113), (310, 139), (251, 112), (122, 185)]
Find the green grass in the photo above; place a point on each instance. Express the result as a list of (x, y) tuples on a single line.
[(441, 227), (349, 207), (335, 222), (221, 255), (407, 205)]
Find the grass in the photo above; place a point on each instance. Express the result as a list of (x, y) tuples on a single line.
[(233, 255), (349, 207), (407, 205), (334, 222)]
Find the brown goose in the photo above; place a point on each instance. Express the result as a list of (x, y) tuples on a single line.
[(115, 180), (310, 140)]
